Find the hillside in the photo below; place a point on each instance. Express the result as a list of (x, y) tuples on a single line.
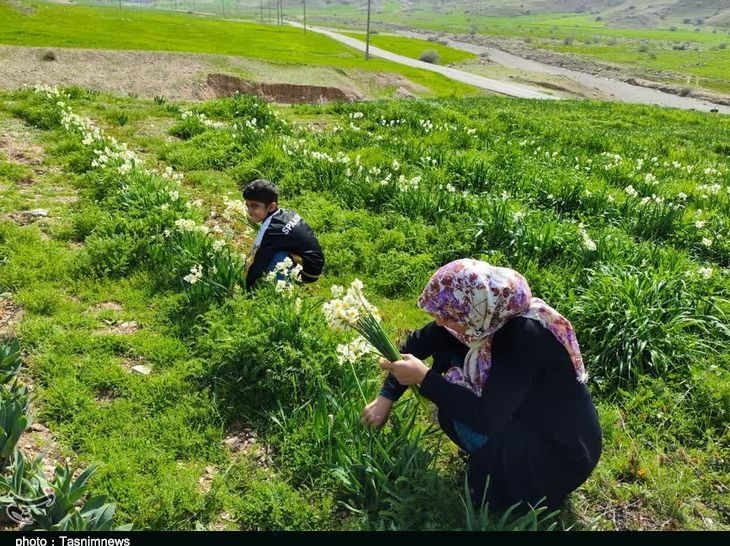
[(208, 408)]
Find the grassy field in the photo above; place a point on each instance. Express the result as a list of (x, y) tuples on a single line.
[(687, 50), (410, 47), (616, 214), (696, 55), (164, 31)]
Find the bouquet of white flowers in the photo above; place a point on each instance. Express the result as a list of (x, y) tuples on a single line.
[(352, 310)]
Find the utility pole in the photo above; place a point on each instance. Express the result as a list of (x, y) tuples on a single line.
[(367, 35), (262, 10), (304, 5)]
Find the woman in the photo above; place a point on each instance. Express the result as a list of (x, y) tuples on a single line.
[(513, 394)]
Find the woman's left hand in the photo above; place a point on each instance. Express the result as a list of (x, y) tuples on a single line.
[(408, 371)]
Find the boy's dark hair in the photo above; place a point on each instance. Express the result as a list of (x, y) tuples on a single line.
[(261, 190)]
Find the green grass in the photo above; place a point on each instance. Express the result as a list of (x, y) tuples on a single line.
[(661, 388), (164, 31), (412, 47), (707, 58)]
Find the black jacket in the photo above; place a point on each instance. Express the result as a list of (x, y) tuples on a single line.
[(288, 232), (543, 429)]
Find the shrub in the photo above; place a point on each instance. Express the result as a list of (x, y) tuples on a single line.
[(430, 56), (263, 350), (632, 322), (49, 55)]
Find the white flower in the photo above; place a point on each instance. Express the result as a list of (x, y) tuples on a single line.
[(196, 273), (650, 179), (353, 351), (342, 313), (707, 242), (183, 224), (682, 196), (283, 286), (588, 243), (631, 191), (218, 244), (705, 272), (699, 224), (234, 209)]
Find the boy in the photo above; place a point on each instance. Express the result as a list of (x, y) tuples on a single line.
[(283, 234)]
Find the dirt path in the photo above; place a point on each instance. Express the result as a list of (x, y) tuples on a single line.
[(615, 89), (458, 75)]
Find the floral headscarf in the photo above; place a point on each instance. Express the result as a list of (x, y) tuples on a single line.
[(484, 297)]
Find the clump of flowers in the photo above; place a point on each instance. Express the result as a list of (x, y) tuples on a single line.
[(351, 310), (196, 273), (284, 275)]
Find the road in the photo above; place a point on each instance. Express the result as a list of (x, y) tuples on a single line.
[(618, 90), (496, 86)]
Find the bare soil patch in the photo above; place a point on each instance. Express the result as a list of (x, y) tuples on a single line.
[(182, 76), (241, 439), (15, 145), (38, 440), (223, 85), (120, 327), (206, 480), (27, 217), (135, 365), (10, 315), (108, 306)]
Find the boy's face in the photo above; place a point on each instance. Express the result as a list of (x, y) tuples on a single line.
[(258, 211)]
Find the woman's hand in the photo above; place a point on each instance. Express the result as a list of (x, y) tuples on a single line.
[(376, 413), (408, 371)]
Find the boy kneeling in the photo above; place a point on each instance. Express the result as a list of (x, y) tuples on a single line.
[(283, 235)]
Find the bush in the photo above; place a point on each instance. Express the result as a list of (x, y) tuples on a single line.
[(267, 349), (112, 255), (49, 55), (430, 56), (632, 322)]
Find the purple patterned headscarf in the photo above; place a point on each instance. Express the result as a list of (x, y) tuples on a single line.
[(483, 298)]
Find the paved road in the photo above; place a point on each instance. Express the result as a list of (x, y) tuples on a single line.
[(512, 90), (618, 90)]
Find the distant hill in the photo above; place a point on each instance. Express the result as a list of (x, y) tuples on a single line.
[(620, 13), (635, 13)]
